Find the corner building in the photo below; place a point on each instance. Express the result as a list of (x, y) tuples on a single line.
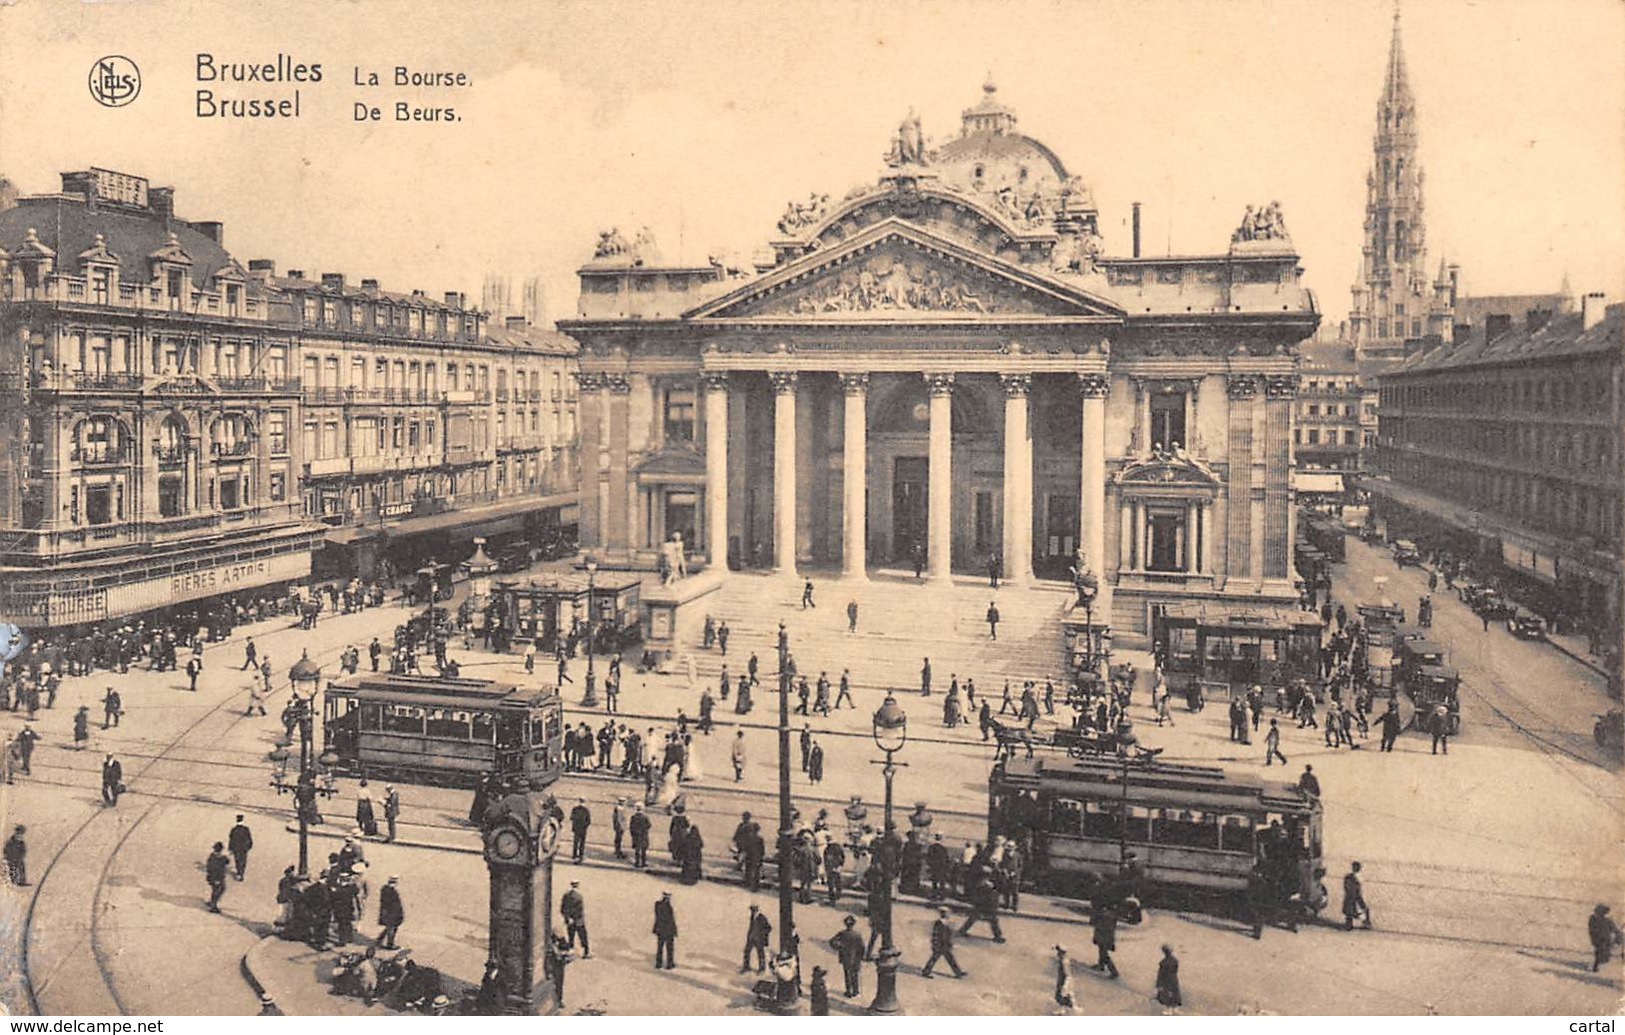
[(943, 364)]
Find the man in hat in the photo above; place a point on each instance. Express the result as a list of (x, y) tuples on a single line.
[(240, 840), (942, 945), (617, 819), (391, 912), (757, 934), (736, 754), (638, 827), (214, 871), (580, 821), (573, 908), (112, 779), (1354, 900), (392, 809), (665, 932), (848, 947)]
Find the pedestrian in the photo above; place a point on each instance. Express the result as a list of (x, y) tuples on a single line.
[(852, 616), (736, 754), (834, 862), (112, 708), (995, 566), (638, 827), (1439, 726), (392, 810), (573, 908), (993, 619), (940, 864), (1309, 783), (942, 945), (1168, 979), (1604, 933), (16, 854), (256, 698), (250, 653), (580, 821), (374, 651), (24, 747), (722, 638), (1390, 726), (757, 932), (112, 780), (845, 693), (81, 727), (925, 678), (848, 946), (815, 764), (265, 673), (807, 596), (617, 822), (1065, 996), (1354, 900), (214, 871), (805, 742), (391, 913), (1103, 917), (818, 993), (240, 840), (194, 668), (665, 932), (366, 816), (984, 902), (1272, 744)]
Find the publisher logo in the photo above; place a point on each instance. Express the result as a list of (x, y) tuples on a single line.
[(114, 81)]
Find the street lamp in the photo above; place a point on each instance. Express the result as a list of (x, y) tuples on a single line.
[(590, 698), (1088, 586), (306, 679), (787, 916), (891, 733)]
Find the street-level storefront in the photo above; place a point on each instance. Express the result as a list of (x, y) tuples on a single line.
[(943, 370)]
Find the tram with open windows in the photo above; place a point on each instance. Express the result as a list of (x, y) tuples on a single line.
[(452, 732), (1194, 828)]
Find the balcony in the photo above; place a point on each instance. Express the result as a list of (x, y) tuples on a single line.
[(99, 457), (327, 466), (242, 382), (171, 456), (231, 450), (104, 381)]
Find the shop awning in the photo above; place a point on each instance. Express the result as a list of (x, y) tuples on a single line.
[(1317, 481)]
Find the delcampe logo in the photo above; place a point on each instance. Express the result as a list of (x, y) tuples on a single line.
[(114, 81)]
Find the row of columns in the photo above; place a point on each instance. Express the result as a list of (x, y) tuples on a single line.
[(1018, 472)]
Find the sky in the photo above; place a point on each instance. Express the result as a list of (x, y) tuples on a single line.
[(700, 120)]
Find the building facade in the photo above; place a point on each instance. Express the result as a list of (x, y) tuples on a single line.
[(183, 426), (1330, 429), (151, 454), (1508, 449), (943, 365)]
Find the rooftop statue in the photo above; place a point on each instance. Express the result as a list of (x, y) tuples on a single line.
[(1265, 224), (610, 243), (908, 147), (799, 216)]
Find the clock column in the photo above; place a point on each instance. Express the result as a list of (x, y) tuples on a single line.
[(520, 840)]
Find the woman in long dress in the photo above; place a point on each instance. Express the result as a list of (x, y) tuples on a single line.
[(365, 816), (668, 787), (617, 750), (692, 769)]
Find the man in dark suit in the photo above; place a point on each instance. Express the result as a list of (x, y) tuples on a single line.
[(942, 945), (665, 932), (112, 780), (240, 840), (638, 827), (848, 946), (214, 871), (580, 821), (757, 935)]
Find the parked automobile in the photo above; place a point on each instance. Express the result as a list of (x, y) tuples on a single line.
[(1405, 552), (1526, 626), (1490, 604), (515, 558), (1468, 591)]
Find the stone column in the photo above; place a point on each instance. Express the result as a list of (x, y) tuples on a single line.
[(591, 400), (1018, 479), (940, 493), (784, 471), (1125, 539), (716, 469), (1142, 536), (1205, 555), (855, 478), (617, 522), (1092, 483)]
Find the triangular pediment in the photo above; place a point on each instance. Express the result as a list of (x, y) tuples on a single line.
[(897, 272)]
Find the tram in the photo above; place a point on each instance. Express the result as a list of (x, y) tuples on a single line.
[(1226, 650), (450, 732), (1186, 827), (1323, 533)]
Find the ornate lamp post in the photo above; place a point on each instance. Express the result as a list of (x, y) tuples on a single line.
[(590, 698), (787, 915), (306, 679), (891, 733), (1088, 587)]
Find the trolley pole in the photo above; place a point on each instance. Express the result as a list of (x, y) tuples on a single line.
[(787, 920)]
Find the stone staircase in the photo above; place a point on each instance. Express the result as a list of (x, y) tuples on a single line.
[(900, 623)]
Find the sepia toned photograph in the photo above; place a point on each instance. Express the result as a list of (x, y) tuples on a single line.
[(987, 508)]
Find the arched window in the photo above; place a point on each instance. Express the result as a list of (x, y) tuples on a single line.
[(1399, 241), (172, 439)]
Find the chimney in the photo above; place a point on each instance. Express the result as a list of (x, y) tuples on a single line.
[(334, 281), (1136, 230), (296, 274), (1455, 283), (454, 299), (1495, 325), (1592, 306), (516, 323), (162, 201), (1535, 319), (82, 184), (214, 231), (369, 285)]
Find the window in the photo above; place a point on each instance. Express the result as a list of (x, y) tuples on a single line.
[(402, 718), (1168, 419), (101, 288), (679, 420), (276, 363), (451, 377), (380, 315), (447, 724), (99, 504), (1314, 436), (230, 493), (329, 312), (330, 372), (357, 316), (330, 438), (428, 434), (279, 486), (1348, 437), (358, 372), (396, 432), (412, 436), (310, 310)]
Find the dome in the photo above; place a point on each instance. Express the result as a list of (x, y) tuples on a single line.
[(989, 154)]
